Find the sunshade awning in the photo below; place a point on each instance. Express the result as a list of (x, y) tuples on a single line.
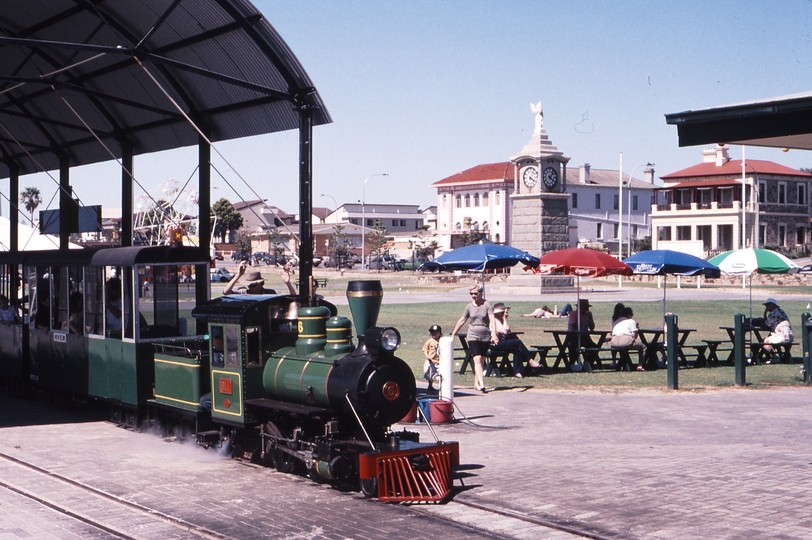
[(780, 122), (71, 71)]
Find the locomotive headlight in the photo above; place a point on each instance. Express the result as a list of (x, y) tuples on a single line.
[(387, 338)]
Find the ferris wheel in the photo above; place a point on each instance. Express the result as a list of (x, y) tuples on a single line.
[(163, 210)]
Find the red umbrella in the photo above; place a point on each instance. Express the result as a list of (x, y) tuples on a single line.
[(581, 262)]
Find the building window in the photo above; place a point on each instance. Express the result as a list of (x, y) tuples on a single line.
[(599, 231), (782, 194), (615, 230), (445, 201), (459, 201), (664, 233), (355, 221), (476, 199), (634, 203), (762, 192), (575, 200), (458, 226), (485, 199), (782, 235), (634, 231), (498, 198), (684, 232), (724, 198), (800, 236), (597, 201), (394, 223), (467, 201), (615, 203), (370, 222), (418, 224), (484, 225), (402, 222), (762, 233), (801, 193)]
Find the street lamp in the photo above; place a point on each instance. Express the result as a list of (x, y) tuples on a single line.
[(364, 217), (629, 221)]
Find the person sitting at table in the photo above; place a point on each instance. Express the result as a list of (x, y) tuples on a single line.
[(625, 335), (542, 313), (581, 321), (507, 341), (616, 314), (780, 329)]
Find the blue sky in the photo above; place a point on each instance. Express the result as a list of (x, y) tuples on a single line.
[(424, 89)]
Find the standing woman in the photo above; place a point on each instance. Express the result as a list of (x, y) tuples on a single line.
[(481, 332)]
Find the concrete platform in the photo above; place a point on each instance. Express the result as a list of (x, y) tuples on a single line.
[(732, 463)]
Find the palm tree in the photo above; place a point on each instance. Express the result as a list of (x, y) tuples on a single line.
[(31, 199)]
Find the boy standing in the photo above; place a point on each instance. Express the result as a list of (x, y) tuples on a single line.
[(431, 350)]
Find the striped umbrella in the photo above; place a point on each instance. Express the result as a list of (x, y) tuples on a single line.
[(749, 261)]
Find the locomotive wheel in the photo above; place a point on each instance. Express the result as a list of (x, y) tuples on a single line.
[(369, 487), (284, 462)]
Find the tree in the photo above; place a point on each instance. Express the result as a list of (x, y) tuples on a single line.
[(338, 242), (31, 199), (243, 241), (423, 246), (376, 239), (228, 218)]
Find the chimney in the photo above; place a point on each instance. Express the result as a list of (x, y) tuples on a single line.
[(583, 171), (648, 173), (715, 154)]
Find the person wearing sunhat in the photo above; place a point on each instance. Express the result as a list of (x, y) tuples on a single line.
[(255, 283), (780, 328), (507, 341), (431, 351)]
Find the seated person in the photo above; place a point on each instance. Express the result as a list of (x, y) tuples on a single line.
[(113, 307), (543, 313), (42, 319), (8, 313), (76, 317), (625, 335), (508, 341), (780, 329), (581, 322), (431, 352)]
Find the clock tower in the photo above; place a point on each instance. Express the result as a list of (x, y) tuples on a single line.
[(540, 220)]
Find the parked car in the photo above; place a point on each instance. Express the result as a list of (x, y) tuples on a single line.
[(220, 275), (386, 262), (806, 269), (347, 260), (412, 264), (241, 256)]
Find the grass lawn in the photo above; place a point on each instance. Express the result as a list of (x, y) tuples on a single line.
[(413, 320)]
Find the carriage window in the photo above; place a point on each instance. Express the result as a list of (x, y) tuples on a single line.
[(94, 300), (158, 297), (118, 308), (217, 348), (232, 346), (39, 286), (253, 346)]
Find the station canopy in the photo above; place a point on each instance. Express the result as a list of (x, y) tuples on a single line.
[(780, 122), (80, 79)]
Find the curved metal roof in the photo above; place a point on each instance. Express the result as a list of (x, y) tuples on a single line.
[(74, 70)]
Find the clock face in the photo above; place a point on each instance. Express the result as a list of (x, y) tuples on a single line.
[(550, 177), (530, 176)]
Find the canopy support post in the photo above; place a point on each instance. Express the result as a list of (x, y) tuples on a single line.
[(126, 195), (305, 198), (202, 288)]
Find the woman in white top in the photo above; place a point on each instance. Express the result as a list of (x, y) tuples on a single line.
[(625, 335)]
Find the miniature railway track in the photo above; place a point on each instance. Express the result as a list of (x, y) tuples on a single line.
[(111, 529)]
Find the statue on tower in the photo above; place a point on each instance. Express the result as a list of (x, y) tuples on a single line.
[(536, 109)]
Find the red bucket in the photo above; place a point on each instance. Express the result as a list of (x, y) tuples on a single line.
[(411, 416), (441, 411)]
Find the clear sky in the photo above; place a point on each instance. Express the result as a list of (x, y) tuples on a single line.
[(424, 89)]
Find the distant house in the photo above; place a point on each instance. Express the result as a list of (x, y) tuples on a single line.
[(703, 203)]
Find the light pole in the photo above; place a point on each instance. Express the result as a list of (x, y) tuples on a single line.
[(629, 221), (364, 217)]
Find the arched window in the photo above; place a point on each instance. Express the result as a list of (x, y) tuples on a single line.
[(476, 199), (484, 225), (475, 225), (459, 201), (445, 201), (485, 199), (496, 238), (498, 198), (468, 201), (458, 226)]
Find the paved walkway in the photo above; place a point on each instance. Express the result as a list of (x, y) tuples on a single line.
[(731, 463)]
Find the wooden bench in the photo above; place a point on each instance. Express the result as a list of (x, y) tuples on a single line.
[(717, 347), (624, 354), (697, 353), (498, 361), (321, 282), (466, 354), (783, 351)]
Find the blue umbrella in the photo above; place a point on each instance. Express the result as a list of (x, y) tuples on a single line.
[(479, 257), (661, 262)]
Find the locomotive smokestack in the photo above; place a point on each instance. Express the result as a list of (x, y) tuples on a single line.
[(365, 298)]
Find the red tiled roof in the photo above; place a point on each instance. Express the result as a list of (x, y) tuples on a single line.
[(733, 168), (705, 183), (498, 172)]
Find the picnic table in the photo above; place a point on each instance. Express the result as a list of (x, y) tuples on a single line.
[(755, 339), (563, 339), (652, 338)]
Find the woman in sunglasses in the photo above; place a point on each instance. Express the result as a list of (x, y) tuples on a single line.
[(481, 332)]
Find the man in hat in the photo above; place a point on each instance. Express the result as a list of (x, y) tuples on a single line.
[(431, 351), (254, 281), (780, 328), (507, 341)]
